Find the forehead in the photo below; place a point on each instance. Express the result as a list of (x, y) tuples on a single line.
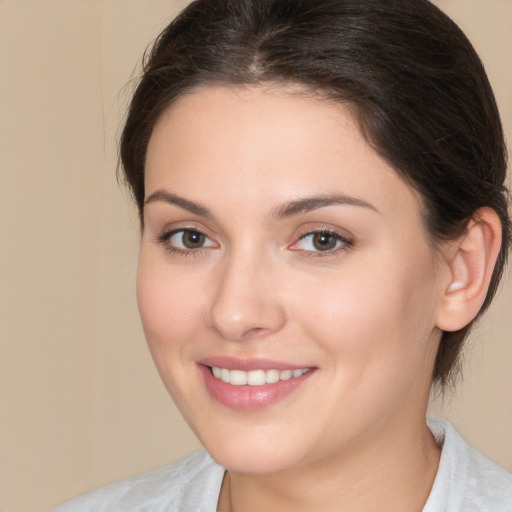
[(267, 141)]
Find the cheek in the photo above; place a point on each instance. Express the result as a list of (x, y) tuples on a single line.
[(373, 313), (169, 304), (170, 313)]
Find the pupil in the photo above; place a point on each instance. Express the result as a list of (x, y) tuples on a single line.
[(193, 239), (324, 241)]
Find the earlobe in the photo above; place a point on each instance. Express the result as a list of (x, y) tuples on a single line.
[(471, 264)]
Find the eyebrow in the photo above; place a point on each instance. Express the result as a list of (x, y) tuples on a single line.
[(282, 211), (167, 197), (307, 204)]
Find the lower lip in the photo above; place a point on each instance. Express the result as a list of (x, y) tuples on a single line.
[(250, 398)]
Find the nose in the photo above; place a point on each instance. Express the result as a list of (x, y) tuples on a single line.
[(246, 301)]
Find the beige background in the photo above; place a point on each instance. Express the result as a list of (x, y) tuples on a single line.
[(80, 402)]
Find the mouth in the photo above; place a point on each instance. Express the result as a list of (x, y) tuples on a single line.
[(248, 386), (255, 377)]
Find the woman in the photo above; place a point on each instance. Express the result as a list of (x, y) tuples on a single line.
[(321, 193)]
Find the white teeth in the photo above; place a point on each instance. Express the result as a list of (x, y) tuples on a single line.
[(286, 375), (224, 375), (238, 378), (255, 377), (271, 376)]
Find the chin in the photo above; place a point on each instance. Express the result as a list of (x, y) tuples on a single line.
[(248, 452), (251, 461)]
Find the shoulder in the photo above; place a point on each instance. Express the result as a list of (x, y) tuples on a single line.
[(192, 483), (466, 479)]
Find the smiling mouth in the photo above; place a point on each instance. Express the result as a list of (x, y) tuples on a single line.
[(255, 377)]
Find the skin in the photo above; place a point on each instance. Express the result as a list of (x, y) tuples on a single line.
[(363, 315)]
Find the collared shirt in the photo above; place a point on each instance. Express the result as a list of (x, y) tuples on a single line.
[(466, 481)]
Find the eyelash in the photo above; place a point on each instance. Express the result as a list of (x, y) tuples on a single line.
[(164, 239), (344, 243)]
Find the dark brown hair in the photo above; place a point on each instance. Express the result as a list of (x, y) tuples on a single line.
[(415, 83)]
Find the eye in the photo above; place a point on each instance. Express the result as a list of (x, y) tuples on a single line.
[(322, 241), (186, 240)]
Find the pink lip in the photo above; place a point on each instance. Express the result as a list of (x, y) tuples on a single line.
[(249, 398), (248, 364)]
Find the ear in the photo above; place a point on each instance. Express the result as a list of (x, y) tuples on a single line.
[(471, 259)]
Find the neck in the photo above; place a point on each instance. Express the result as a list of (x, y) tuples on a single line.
[(393, 471)]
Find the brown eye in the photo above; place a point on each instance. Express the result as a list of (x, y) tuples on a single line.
[(322, 241), (188, 240), (192, 239), (325, 241)]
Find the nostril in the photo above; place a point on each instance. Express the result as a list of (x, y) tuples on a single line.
[(255, 331)]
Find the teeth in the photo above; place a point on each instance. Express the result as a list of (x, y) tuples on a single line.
[(272, 376), (237, 377), (255, 377), (286, 375)]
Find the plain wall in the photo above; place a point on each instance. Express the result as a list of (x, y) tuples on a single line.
[(80, 402)]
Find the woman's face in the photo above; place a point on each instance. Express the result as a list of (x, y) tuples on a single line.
[(281, 253)]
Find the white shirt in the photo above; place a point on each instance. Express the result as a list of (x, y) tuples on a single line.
[(466, 481)]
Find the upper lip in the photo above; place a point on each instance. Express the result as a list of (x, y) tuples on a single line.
[(245, 364)]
